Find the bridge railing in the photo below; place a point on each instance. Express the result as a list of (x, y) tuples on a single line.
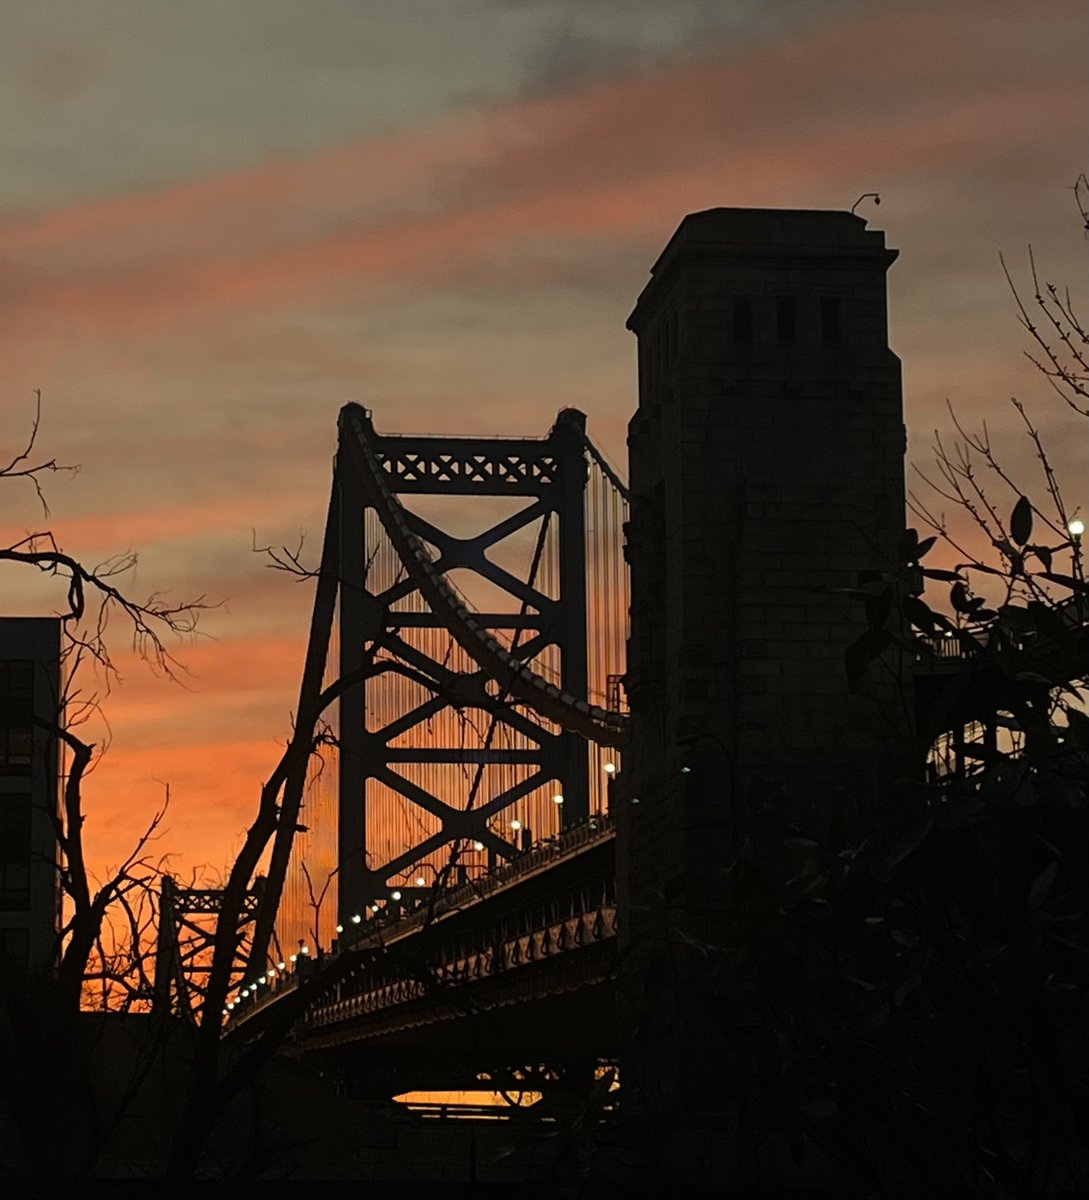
[(570, 921), (597, 827), (954, 646), (947, 647)]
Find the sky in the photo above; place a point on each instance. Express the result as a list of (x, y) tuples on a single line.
[(221, 220)]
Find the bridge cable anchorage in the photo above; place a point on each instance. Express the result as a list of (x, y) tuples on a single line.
[(591, 721)]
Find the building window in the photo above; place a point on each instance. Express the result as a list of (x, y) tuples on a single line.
[(16, 713), (785, 307), (831, 332), (15, 953), (743, 321), (14, 851)]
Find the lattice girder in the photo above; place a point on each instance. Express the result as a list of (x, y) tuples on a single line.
[(466, 466)]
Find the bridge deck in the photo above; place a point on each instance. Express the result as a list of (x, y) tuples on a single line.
[(516, 967)]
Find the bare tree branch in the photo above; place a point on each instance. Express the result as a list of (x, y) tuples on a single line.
[(20, 468), (150, 621)]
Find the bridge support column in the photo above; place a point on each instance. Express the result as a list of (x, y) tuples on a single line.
[(766, 468), (569, 435)]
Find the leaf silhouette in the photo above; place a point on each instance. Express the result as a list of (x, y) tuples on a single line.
[(908, 843), (1038, 893), (1021, 521)]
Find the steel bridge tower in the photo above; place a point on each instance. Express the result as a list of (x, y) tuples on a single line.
[(552, 473)]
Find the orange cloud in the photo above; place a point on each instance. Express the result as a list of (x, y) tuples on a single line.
[(213, 797), (145, 527), (198, 738)]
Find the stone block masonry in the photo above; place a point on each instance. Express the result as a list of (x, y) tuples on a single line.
[(766, 468)]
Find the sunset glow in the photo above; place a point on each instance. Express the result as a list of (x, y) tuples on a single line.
[(212, 240)]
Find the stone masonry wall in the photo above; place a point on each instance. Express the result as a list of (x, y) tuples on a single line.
[(766, 467)]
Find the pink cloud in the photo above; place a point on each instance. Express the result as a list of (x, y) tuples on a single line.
[(146, 527), (199, 738)]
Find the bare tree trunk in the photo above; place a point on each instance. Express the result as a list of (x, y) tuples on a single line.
[(321, 624)]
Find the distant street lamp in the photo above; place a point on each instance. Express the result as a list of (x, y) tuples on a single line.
[(1076, 528)]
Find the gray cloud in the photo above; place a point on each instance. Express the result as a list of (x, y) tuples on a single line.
[(576, 42), (119, 94)]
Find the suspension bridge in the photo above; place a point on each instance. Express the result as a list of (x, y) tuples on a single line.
[(482, 804), (476, 591)]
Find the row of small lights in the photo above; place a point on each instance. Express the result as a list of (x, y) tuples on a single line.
[(280, 968), (357, 919)]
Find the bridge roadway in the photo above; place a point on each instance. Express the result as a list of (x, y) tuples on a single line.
[(514, 969)]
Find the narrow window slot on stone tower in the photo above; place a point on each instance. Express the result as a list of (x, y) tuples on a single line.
[(831, 333), (785, 309), (743, 321)]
